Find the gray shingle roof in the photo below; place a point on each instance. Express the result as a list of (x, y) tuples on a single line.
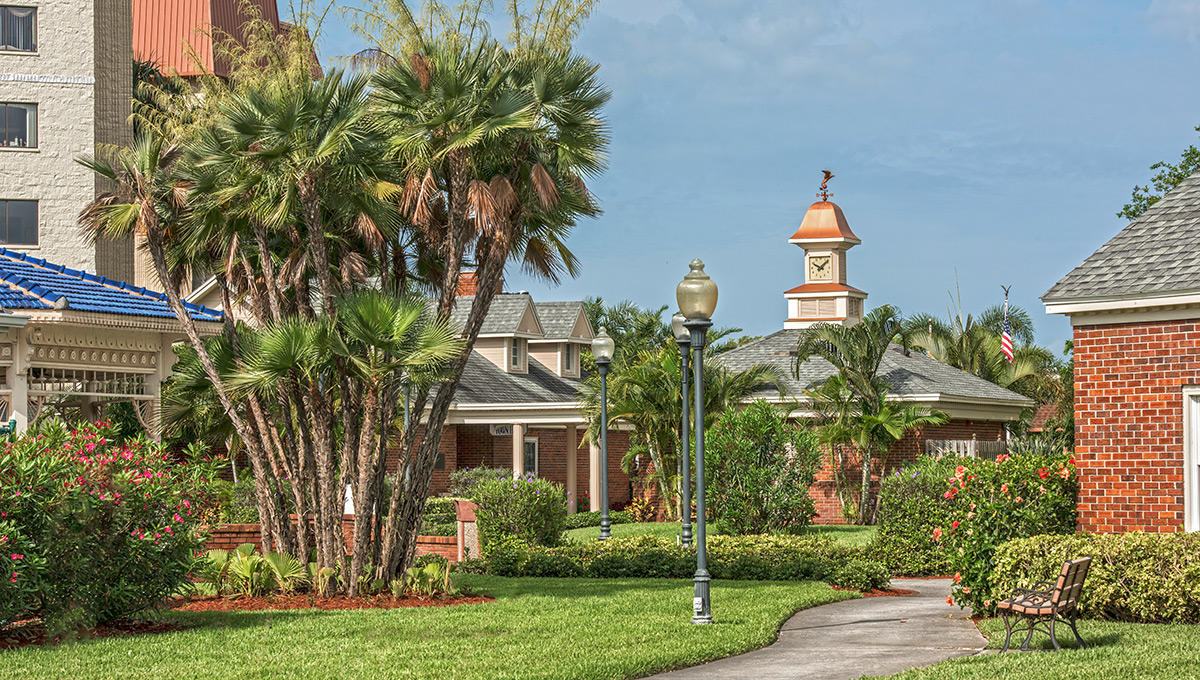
[(504, 316), (1157, 253), (558, 318), (485, 383), (915, 374)]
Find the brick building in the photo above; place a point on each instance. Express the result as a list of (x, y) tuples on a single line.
[(1134, 306), (978, 409)]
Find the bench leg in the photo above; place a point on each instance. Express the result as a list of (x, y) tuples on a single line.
[(1053, 637), (1029, 635), (1071, 622), (1008, 630)]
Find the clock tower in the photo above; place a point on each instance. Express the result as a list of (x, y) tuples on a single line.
[(825, 237)]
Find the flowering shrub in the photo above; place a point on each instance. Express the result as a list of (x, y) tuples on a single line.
[(990, 502), (911, 505), (99, 530), (529, 509), (760, 467), (462, 482)]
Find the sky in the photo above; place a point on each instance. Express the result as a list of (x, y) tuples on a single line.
[(976, 144)]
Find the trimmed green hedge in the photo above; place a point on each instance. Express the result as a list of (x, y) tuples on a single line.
[(592, 519), (1151, 578), (783, 558), (439, 518), (911, 505)]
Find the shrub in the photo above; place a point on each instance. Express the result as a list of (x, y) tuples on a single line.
[(237, 501), (860, 573), (105, 529), (505, 555), (439, 518), (547, 565), (639, 509), (531, 509), (991, 502), (462, 482), (581, 520), (1151, 578), (760, 467), (911, 505)]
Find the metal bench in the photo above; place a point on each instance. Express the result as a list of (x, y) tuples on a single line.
[(1047, 603)]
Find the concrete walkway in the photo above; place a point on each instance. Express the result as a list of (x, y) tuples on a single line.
[(855, 638)]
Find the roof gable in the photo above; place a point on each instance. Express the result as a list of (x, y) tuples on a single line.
[(563, 320), (33, 283), (1156, 254)]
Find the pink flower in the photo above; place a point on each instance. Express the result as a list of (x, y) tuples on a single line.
[(14, 577), (949, 600), (958, 578), (953, 525), (1018, 499), (177, 518), (17, 556), (966, 590), (1002, 457), (937, 533), (1004, 488)]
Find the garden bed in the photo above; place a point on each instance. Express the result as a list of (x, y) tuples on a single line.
[(31, 632), (309, 601), (879, 592)]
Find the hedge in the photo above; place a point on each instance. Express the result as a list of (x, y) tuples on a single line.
[(1151, 578), (911, 505), (730, 557), (440, 517), (581, 520)]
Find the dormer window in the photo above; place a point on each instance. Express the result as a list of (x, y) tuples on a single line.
[(569, 358), (518, 351)]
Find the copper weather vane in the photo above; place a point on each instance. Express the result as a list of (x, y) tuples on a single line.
[(824, 193)]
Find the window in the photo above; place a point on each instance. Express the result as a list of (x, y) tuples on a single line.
[(18, 28), (18, 223), (18, 125), (517, 348), (569, 357), (531, 456)]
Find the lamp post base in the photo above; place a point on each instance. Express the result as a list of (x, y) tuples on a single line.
[(605, 529), (685, 535), (701, 602)]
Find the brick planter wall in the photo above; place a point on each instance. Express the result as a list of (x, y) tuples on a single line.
[(230, 536), (1129, 423)]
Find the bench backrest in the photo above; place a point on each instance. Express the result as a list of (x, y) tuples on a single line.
[(1070, 583)]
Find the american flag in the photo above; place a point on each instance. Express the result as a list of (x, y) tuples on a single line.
[(1006, 347)]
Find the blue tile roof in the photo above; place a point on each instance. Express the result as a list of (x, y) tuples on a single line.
[(33, 283)]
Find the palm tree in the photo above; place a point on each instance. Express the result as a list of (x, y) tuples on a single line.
[(644, 393), (852, 406)]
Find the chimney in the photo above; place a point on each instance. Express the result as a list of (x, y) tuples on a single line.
[(467, 284)]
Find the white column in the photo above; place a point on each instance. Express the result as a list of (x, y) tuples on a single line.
[(518, 449), (19, 380), (572, 458), (594, 475)]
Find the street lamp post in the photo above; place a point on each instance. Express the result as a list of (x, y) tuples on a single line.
[(602, 350), (697, 297), (683, 337)]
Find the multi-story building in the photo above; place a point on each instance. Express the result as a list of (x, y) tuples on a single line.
[(65, 90)]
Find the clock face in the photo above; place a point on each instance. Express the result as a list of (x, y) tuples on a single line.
[(819, 268)]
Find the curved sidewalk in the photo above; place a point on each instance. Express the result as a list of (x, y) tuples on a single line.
[(855, 638)]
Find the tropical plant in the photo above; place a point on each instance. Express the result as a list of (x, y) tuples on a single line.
[(853, 407), (428, 580), (645, 393)]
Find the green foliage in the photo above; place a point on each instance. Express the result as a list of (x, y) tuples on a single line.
[(990, 502), (760, 467), (428, 580), (237, 501), (530, 509), (440, 518), (581, 520), (911, 505), (244, 572), (1149, 578), (100, 530), (1168, 177), (462, 482), (730, 557)]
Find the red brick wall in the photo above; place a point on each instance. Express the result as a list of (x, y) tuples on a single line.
[(230, 536), (824, 492), (1129, 422)]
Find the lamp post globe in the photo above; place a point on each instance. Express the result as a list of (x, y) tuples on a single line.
[(697, 298), (683, 338), (602, 350)]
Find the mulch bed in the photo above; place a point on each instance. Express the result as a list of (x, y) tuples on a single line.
[(878, 592), (30, 632), (308, 601)]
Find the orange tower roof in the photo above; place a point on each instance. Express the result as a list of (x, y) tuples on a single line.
[(824, 220), (177, 34)]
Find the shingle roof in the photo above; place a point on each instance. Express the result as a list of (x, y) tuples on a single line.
[(485, 383), (33, 283), (915, 374), (504, 316), (558, 318), (1157, 253)]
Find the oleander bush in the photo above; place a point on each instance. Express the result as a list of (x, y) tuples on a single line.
[(529, 509), (581, 520), (760, 467), (730, 557), (988, 503), (95, 530), (1148, 578), (911, 506)]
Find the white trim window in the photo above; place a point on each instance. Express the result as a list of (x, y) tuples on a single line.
[(18, 28), (1191, 458), (18, 125), (517, 351), (531, 456), (18, 223), (569, 358)]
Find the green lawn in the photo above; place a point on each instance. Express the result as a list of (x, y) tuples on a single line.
[(537, 628), (1116, 651), (846, 534)]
